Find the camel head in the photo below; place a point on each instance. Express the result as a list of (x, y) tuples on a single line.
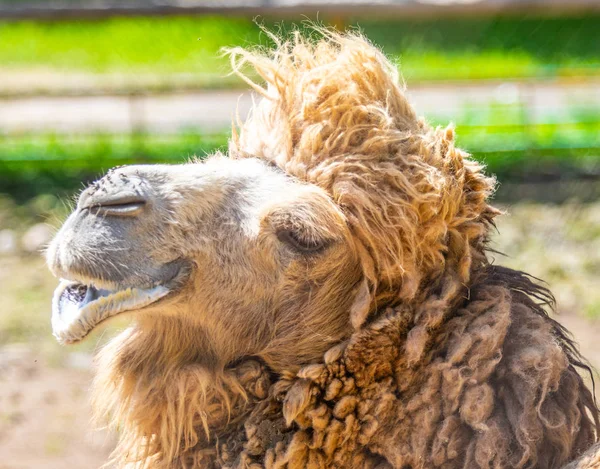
[(335, 201), (251, 260)]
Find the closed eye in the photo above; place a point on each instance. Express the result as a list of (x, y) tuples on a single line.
[(301, 244)]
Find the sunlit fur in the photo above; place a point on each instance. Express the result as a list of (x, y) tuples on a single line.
[(415, 353), (167, 383), (334, 114)]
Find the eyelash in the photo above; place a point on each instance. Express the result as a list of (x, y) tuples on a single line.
[(291, 238)]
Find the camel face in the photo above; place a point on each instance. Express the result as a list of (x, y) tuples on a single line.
[(235, 249)]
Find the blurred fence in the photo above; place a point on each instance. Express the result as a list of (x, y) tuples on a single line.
[(498, 107), (486, 104), (503, 122)]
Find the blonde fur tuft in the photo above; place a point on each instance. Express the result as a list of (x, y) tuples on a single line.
[(334, 114)]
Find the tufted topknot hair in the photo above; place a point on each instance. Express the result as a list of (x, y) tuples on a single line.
[(333, 113)]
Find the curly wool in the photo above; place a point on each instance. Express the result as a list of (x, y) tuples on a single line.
[(334, 114), (495, 389)]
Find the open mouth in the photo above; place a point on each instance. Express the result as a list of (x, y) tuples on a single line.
[(77, 308)]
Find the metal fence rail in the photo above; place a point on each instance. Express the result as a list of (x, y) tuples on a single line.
[(169, 112)]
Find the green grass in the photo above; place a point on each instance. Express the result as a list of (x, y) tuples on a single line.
[(59, 164), (171, 44), (498, 47), (38, 164), (494, 47), (512, 145)]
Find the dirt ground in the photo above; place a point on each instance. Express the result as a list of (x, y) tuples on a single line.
[(45, 415), (44, 388)]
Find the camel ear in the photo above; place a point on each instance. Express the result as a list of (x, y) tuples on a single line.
[(362, 303)]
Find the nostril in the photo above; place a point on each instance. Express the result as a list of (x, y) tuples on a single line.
[(114, 204), (116, 194), (126, 209)]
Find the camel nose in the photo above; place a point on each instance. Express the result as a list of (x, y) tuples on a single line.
[(116, 194)]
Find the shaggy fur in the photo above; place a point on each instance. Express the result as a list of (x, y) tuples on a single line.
[(447, 361), (489, 392)]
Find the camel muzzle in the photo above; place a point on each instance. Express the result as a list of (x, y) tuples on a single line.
[(116, 194)]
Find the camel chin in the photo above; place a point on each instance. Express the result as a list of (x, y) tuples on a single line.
[(78, 308)]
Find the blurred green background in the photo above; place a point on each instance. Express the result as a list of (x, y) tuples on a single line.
[(80, 95), (140, 56)]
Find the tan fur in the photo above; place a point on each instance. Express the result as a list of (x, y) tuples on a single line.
[(334, 115), (400, 347)]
